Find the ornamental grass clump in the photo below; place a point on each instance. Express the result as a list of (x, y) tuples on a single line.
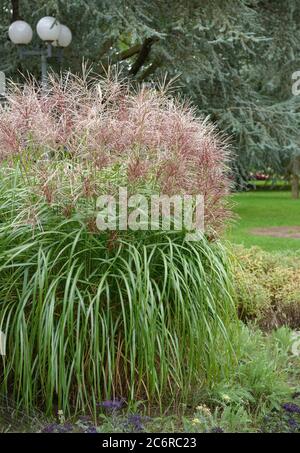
[(99, 134), (104, 315)]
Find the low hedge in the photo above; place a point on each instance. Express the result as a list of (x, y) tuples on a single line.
[(267, 287)]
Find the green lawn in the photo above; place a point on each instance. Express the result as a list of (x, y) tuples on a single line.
[(264, 209)]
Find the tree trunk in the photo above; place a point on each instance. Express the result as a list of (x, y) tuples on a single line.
[(143, 55), (295, 186), (295, 176), (15, 10)]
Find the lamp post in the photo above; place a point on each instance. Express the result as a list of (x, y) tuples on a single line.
[(2, 87), (50, 31)]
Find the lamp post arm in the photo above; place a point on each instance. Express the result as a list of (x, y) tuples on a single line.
[(44, 71), (23, 52)]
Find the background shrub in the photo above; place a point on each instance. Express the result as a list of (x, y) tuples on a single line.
[(268, 287)]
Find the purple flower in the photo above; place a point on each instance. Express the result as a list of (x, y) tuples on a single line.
[(292, 422), (58, 428), (291, 407), (66, 428), (112, 405), (91, 430), (217, 429), (135, 422), (49, 428)]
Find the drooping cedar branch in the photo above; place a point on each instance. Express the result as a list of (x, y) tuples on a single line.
[(121, 56), (129, 52), (142, 50), (149, 70), (143, 54)]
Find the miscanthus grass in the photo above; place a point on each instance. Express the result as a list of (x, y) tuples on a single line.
[(93, 315), (90, 316)]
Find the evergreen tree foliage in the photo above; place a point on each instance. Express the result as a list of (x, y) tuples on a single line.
[(233, 58)]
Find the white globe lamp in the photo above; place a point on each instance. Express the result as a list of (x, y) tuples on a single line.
[(48, 29), (20, 32), (64, 37)]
